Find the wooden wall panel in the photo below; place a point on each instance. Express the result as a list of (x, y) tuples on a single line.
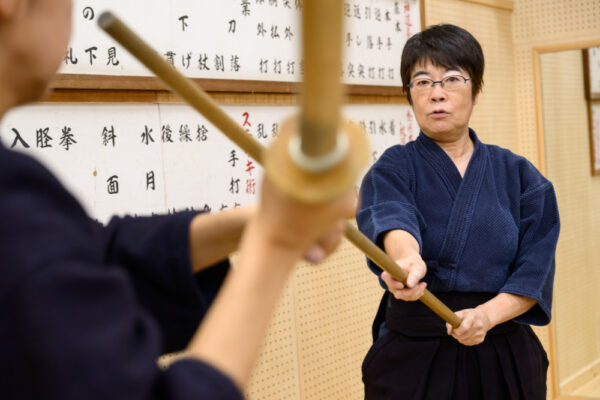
[(543, 25)]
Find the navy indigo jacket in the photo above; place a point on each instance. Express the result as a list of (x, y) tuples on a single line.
[(493, 231), (86, 309)]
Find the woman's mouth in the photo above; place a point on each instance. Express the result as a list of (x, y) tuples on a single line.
[(439, 114)]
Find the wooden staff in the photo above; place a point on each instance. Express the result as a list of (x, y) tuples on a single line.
[(322, 90), (200, 101), (385, 262)]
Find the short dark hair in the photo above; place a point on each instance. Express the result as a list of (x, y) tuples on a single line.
[(447, 46)]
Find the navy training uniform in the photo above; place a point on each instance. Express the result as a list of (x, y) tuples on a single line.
[(87, 309), (492, 231)]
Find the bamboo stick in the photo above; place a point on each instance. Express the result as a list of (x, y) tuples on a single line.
[(322, 90), (385, 262), (200, 101)]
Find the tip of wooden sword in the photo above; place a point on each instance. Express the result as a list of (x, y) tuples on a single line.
[(106, 19)]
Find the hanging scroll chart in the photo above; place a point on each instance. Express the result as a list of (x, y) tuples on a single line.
[(157, 158), (250, 40), (594, 111), (592, 68)]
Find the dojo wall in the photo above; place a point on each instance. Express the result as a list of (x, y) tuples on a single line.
[(539, 23), (566, 136)]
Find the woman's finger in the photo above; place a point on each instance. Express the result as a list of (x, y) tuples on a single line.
[(411, 294), (333, 238), (416, 273), (326, 244), (391, 283)]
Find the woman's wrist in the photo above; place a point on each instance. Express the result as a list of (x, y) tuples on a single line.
[(268, 251), (281, 233), (490, 314), (505, 306), (401, 244)]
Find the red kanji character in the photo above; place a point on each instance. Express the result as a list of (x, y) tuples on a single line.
[(249, 167)]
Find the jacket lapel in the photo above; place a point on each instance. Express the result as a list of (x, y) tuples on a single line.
[(463, 191), (440, 163)]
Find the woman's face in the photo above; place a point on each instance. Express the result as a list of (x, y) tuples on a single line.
[(443, 115)]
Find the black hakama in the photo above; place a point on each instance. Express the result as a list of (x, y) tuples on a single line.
[(417, 360)]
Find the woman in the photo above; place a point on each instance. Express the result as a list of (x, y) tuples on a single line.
[(477, 223), (87, 309)]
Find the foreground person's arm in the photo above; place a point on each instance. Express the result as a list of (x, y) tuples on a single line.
[(282, 231)]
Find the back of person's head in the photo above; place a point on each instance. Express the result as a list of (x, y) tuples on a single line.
[(33, 38), (447, 46)]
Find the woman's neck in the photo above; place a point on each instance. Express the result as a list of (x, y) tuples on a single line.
[(459, 151)]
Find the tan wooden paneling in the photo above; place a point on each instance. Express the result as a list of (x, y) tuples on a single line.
[(555, 25)]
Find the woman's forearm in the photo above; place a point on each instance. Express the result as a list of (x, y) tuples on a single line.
[(276, 237), (214, 236), (506, 306), (232, 332), (400, 244)]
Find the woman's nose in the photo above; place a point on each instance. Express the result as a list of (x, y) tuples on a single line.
[(437, 93)]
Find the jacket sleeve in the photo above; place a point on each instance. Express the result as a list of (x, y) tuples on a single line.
[(72, 325), (387, 203), (77, 332), (532, 273), (154, 252)]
